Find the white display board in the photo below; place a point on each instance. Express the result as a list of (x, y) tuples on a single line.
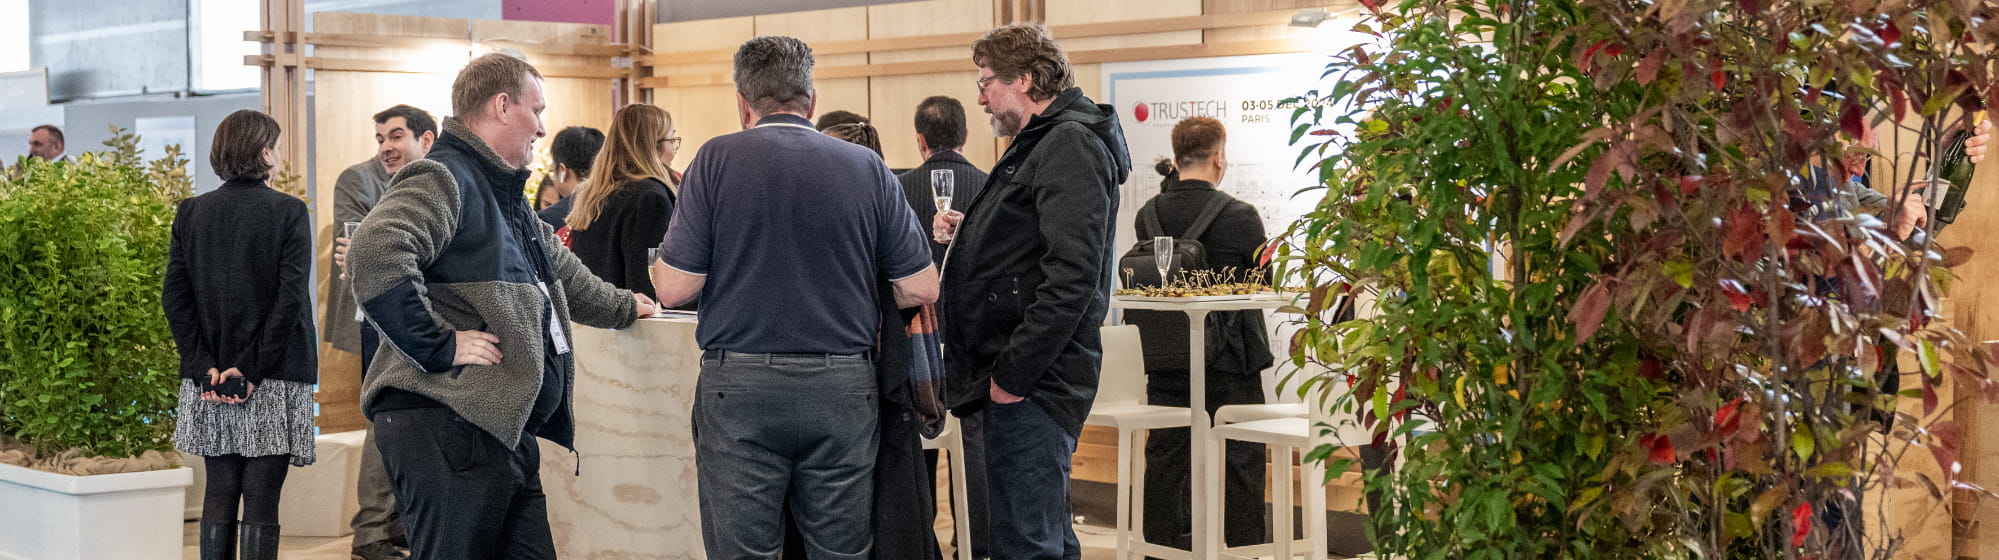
[(1246, 94), (156, 133)]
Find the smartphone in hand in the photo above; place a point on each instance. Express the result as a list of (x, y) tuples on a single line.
[(233, 387)]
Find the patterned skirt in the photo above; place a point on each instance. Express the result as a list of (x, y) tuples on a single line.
[(277, 420)]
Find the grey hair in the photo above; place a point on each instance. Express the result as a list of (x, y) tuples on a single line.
[(774, 74)]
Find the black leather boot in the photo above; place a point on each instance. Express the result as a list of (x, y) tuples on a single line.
[(218, 541), (260, 541)]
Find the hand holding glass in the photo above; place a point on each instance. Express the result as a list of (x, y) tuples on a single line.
[(943, 184), (654, 255), (1162, 256)]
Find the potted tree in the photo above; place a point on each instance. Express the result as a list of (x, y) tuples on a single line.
[(1632, 305), (88, 369)]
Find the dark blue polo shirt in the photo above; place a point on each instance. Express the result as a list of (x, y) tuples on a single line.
[(791, 228)]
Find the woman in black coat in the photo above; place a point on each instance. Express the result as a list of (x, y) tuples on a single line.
[(625, 206), (237, 298)]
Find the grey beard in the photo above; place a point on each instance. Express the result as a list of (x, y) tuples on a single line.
[(1006, 125)]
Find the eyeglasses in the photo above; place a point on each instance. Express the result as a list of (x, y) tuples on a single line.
[(986, 80), (673, 142)]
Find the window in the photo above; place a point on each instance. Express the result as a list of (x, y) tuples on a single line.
[(216, 39), (14, 35)]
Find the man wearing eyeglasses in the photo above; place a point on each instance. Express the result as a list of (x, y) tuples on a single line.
[(1027, 284)]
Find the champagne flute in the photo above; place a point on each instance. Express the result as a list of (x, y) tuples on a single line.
[(943, 183), (1162, 256), (654, 255)]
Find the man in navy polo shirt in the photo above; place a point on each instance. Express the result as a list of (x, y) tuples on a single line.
[(784, 232)]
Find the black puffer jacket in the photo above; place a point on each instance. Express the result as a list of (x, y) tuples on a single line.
[(1027, 281)]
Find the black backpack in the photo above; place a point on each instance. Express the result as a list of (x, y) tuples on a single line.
[(1188, 253)]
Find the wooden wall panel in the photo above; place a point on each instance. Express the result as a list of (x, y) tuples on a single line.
[(1273, 31), (707, 111), (1065, 13), (819, 26), (1974, 308), (571, 101), (894, 98), (1090, 76)]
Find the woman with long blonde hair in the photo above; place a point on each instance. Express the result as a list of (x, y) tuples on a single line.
[(624, 208)]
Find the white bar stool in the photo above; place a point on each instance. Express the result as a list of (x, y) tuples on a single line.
[(1121, 405), (952, 441)]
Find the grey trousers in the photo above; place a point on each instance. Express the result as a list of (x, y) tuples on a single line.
[(772, 428)]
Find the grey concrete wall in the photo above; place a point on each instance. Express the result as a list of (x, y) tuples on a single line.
[(689, 10), (87, 125), (111, 48), (96, 48)]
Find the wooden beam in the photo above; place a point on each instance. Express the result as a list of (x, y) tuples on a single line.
[(1237, 48), (830, 48), (427, 41), (577, 49), (447, 66), (1074, 31), (1205, 50)]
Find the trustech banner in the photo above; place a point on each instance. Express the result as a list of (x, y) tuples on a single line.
[(1248, 95)]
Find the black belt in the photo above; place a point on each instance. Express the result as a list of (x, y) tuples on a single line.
[(725, 356)]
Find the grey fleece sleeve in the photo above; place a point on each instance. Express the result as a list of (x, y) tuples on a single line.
[(409, 227), (592, 301)]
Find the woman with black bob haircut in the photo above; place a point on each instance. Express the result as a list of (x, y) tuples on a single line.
[(236, 298)]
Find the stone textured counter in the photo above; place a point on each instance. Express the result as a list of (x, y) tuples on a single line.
[(636, 498)]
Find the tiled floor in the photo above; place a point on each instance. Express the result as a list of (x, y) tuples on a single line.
[(1097, 544)]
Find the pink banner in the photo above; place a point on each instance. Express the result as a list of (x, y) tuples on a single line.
[(563, 11)]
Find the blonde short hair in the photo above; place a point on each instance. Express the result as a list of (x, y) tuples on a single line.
[(486, 77)]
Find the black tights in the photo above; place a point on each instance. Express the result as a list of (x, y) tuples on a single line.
[(254, 481)]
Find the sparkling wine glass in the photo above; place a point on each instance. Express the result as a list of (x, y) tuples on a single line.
[(943, 183), (654, 255), (1162, 256)]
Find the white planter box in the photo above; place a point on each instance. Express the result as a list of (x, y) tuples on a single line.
[(49, 516)]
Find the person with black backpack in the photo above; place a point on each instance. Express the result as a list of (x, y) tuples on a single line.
[(1211, 231)]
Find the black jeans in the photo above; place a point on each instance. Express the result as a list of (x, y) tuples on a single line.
[(463, 493), (1168, 476), (376, 521)]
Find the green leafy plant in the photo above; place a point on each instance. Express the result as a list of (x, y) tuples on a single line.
[(86, 358), (1618, 316)]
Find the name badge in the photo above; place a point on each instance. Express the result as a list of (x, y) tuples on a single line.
[(555, 335)]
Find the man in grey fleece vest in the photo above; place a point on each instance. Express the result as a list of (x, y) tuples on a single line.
[(475, 295)]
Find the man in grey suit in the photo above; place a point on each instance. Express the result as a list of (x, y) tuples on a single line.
[(402, 134)]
